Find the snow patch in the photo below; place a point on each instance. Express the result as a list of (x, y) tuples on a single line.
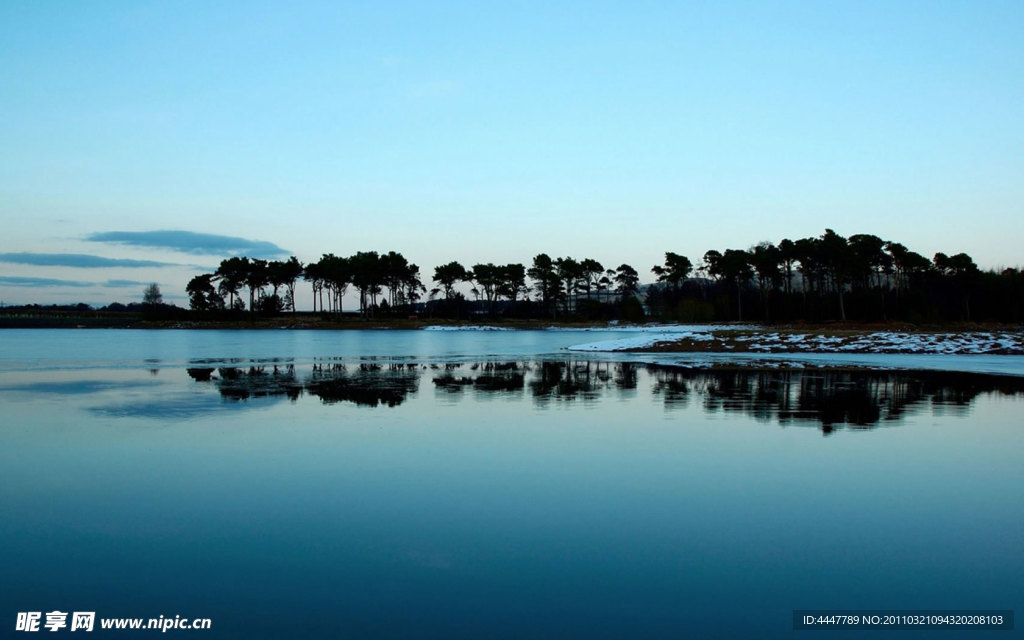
[(472, 327), (647, 339), (661, 328), (877, 342)]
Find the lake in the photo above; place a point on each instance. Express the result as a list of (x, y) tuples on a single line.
[(471, 484)]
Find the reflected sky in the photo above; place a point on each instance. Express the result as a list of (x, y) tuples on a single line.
[(75, 387)]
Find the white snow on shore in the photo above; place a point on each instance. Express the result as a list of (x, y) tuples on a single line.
[(645, 339), (672, 331), (877, 342), (474, 327), (660, 328)]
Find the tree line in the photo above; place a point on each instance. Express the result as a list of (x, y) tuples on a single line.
[(831, 277), (388, 284), (828, 277)]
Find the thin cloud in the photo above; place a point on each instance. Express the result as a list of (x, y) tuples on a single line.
[(193, 243), (14, 281), (80, 260), (125, 283)]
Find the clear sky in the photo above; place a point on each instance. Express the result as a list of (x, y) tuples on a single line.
[(493, 131)]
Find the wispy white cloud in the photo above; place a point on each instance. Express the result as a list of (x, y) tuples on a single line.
[(80, 260), (116, 284), (192, 243), (15, 281), (21, 281)]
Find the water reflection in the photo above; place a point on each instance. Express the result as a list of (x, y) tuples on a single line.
[(570, 380), (483, 378), (828, 398), (825, 398), (367, 385), (364, 384)]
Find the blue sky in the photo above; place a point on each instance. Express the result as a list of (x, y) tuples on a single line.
[(494, 131)]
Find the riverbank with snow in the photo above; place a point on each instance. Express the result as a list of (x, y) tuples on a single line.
[(731, 339)]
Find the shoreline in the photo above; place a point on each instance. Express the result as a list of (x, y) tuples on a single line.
[(716, 338), (830, 340)]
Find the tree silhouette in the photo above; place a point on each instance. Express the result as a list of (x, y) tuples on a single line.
[(870, 265), (488, 278), (627, 280), (410, 285), (962, 271), (545, 279), (787, 256), (512, 281), (313, 274), (284, 274), (401, 279), (449, 275), (732, 266), (231, 275), (880, 278), (765, 259), (257, 276), (202, 295), (676, 269), (151, 295), (336, 273), (837, 258), (808, 254), (367, 276), (570, 274), (592, 272)]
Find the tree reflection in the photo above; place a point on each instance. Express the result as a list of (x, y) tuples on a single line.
[(240, 383), (674, 389), (500, 378), (825, 398), (367, 385), (569, 380), (626, 375), (485, 378)]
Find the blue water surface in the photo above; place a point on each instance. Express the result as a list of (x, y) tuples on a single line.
[(402, 484)]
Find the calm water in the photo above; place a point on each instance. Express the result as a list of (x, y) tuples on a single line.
[(483, 484)]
